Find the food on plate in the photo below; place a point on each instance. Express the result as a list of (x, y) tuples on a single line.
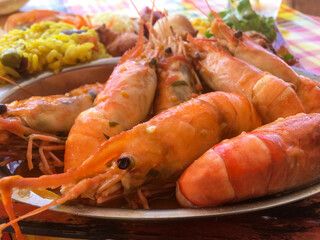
[(115, 22), (24, 122), (42, 40), (116, 43), (152, 153), (244, 48), (242, 18), (260, 29), (114, 152), (177, 80), (47, 45), (274, 158), (271, 96), (177, 25), (124, 102)]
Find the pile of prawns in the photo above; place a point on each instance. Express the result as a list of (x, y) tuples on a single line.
[(112, 152)]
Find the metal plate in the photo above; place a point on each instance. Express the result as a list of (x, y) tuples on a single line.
[(48, 83)]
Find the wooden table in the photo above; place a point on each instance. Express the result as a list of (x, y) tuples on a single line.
[(299, 220)]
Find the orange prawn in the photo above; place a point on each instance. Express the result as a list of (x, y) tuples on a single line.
[(277, 157), (42, 118), (241, 46), (177, 80), (124, 102), (271, 96), (151, 154)]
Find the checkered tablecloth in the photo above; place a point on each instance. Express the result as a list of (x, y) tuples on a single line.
[(301, 32)]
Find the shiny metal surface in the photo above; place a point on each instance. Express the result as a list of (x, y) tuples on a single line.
[(70, 78)]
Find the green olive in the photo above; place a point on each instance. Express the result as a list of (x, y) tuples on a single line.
[(10, 58)]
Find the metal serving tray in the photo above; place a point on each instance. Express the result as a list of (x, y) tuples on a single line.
[(48, 83)]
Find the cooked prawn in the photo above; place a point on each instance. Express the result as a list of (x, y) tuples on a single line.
[(272, 97), (124, 102), (177, 80), (276, 157), (241, 46), (42, 118), (153, 153)]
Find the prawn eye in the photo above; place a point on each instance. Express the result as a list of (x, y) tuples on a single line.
[(168, 50), (198, 55), (3, 108), (92, 94), (238, 34), (123, 163), (153, 62)]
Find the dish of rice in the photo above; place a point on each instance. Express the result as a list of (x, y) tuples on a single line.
[(47, 46)]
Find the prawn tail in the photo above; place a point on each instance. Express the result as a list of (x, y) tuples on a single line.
[(214, 13), (274, 98), (255, 164), (307, 91)]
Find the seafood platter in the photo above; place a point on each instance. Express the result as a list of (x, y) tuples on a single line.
[(192, 119)]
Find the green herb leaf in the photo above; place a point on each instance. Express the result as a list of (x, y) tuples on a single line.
[(244, 18), (179, 83), (287, 56), (208, 34)]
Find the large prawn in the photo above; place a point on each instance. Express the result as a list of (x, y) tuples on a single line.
[(276, 157), (124, 102), (271, 96), (241, 46), (150, 155), (177, 80), (42, 118)]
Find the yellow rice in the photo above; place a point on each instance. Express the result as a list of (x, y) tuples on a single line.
[(46, 48), (202, 25)]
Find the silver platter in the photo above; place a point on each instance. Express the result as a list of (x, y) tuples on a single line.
[(48, 83)]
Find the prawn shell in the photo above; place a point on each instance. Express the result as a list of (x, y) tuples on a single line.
[(280, 156), (125, 101)]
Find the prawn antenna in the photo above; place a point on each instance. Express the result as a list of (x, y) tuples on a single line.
[(16, 84), (135, 7), (214, 13), (200, 10)]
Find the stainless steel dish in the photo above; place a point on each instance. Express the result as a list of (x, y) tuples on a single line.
[(49, 83)]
